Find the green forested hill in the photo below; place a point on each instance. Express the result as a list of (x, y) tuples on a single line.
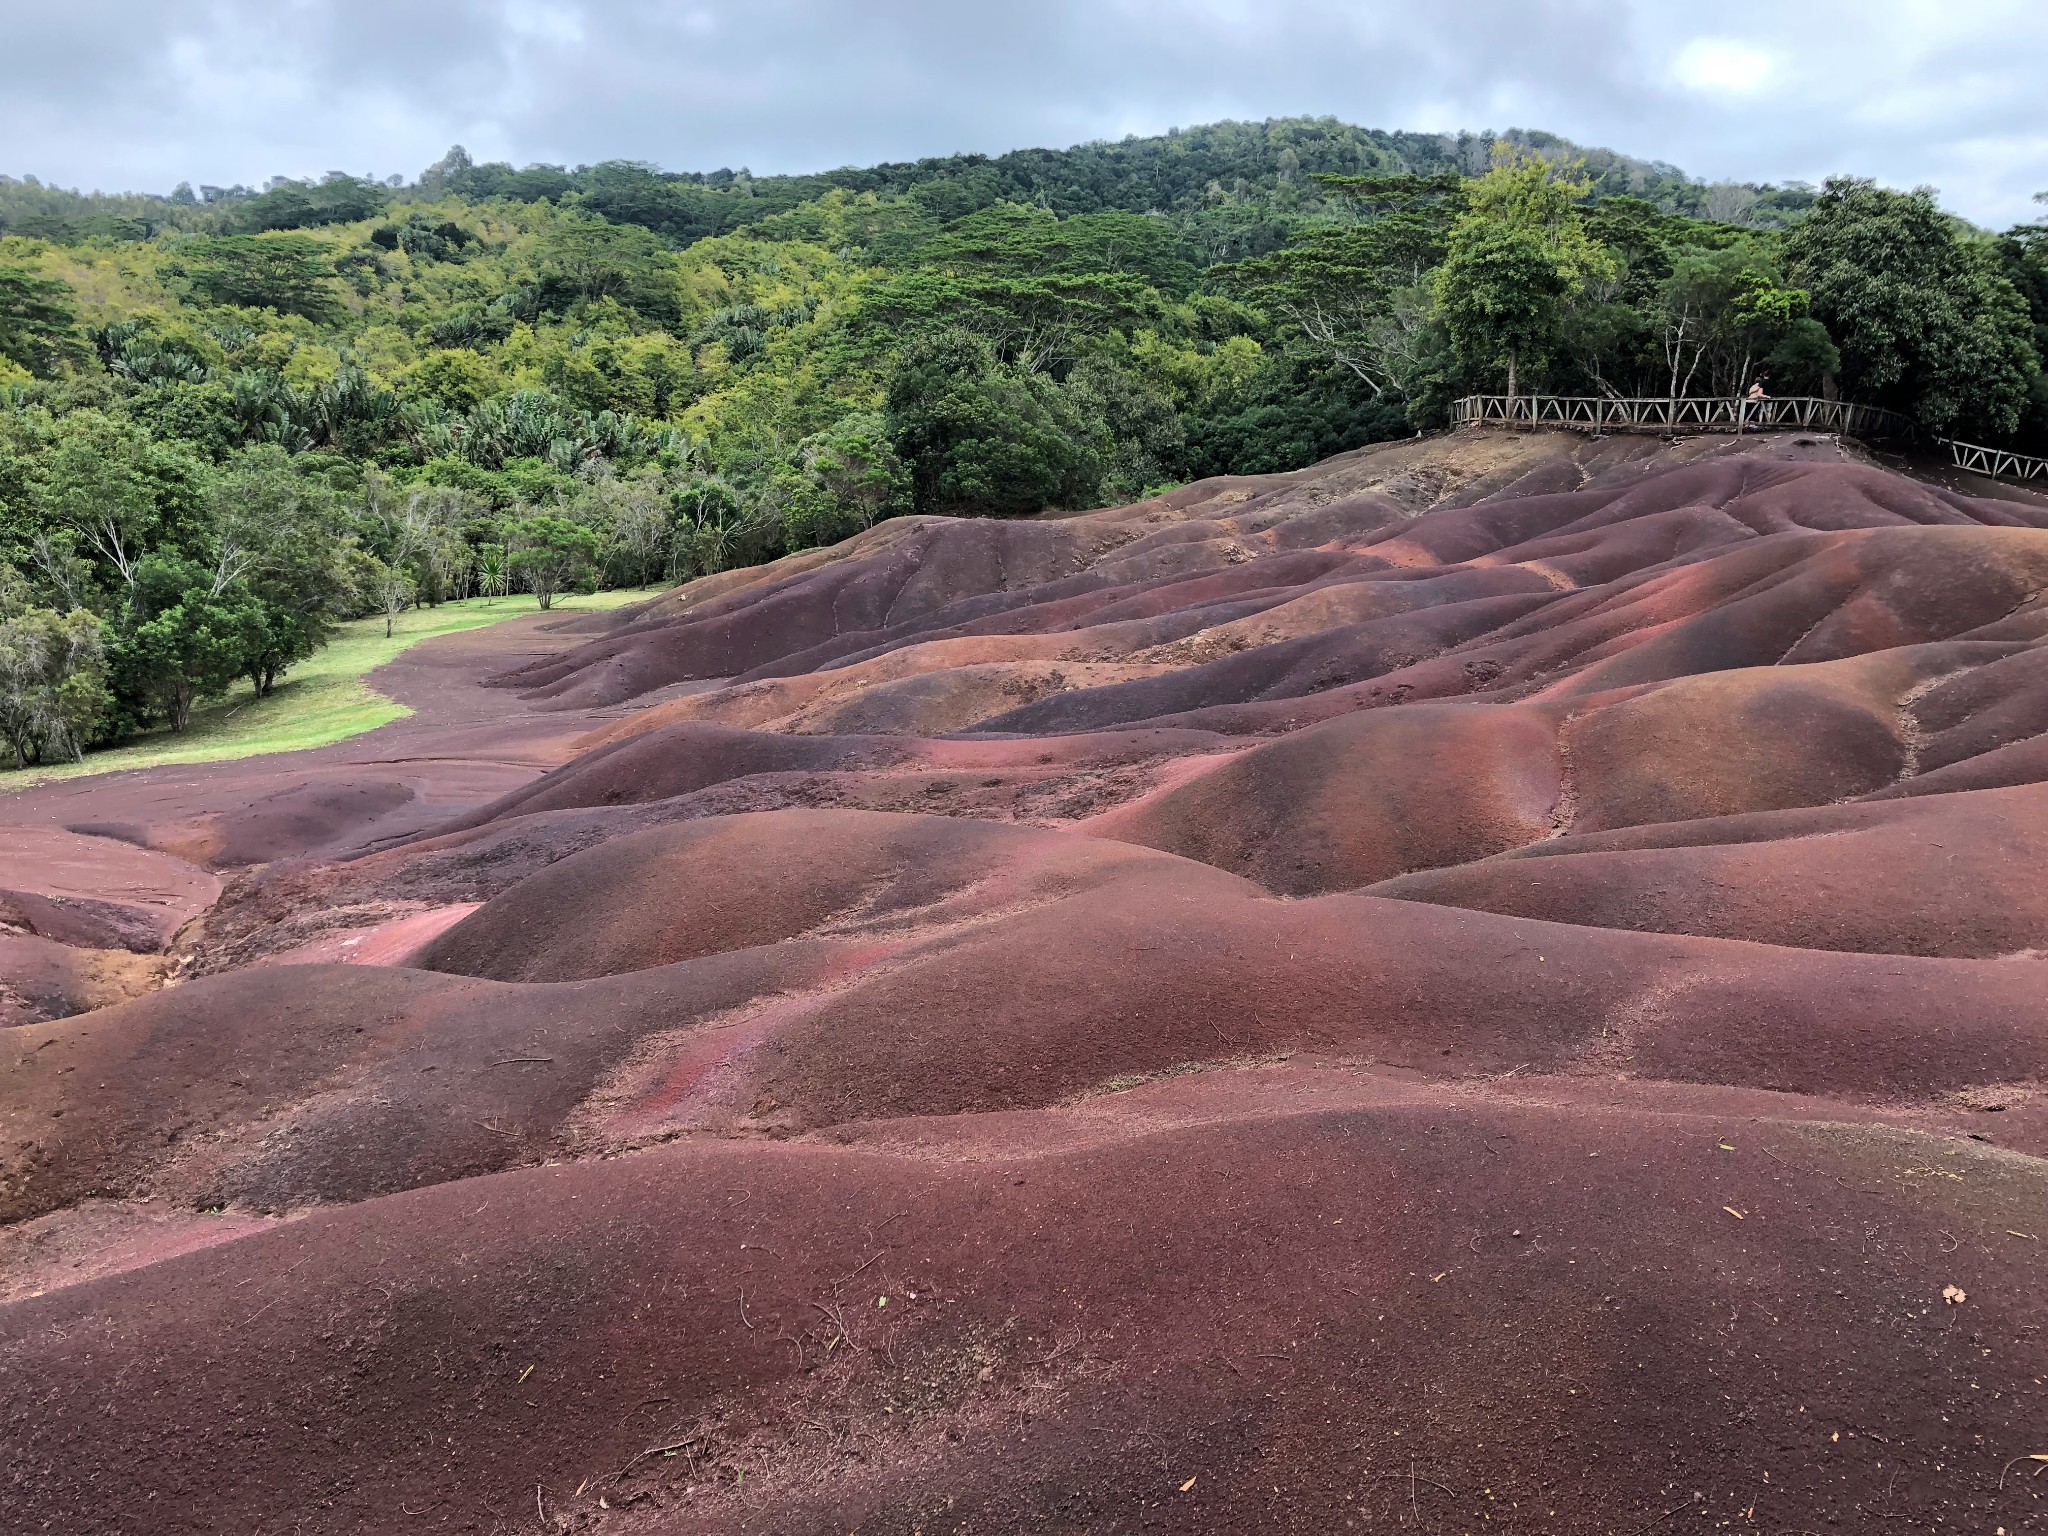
[(228, 418), (1202, 176)]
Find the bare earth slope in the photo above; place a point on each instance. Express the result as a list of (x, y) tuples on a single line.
[(1499, 982)]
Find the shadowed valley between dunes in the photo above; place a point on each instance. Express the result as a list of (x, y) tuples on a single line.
[(1496, 982)]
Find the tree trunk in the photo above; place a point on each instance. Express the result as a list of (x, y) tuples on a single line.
[(1513, 362)]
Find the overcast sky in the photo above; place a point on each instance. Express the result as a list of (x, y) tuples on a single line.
[(142, 94)]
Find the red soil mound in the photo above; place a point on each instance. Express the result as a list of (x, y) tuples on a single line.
[(1495, 983)]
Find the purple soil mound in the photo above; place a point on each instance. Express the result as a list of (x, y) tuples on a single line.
[(1495, 983)]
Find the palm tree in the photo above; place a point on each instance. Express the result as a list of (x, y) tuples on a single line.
[(493, 570)]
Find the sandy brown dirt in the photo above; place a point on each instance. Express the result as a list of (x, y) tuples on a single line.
[(1499, 983)]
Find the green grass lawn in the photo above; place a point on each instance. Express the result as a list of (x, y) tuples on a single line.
[(319, 701)]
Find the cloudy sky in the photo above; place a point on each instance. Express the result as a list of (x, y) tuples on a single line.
[(141, 94)]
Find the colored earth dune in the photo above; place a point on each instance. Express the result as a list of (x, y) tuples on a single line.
[(1496, 983)]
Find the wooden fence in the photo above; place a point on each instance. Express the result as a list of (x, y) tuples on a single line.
[(1683, 413), (1996, 461), (1708, 413)]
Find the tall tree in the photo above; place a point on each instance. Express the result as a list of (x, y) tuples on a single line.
[(122, 493), (291, 274), (553, 554), (1926, 322), (1501, 295), (1357, 295), (280, 535), (37, 322), (53, 675), (586, 260), (181, 640), (1727, 311), (982, 435)]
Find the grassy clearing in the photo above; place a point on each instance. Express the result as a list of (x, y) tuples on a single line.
[(320, 701)]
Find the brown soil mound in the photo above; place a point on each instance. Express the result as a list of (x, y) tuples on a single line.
[(1495, 983), (43, 979), (1226, 1305), (1060, 963), (664, 895), (1955, 875), (96, 891)]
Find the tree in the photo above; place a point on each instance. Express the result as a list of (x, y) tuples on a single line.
[(391, 589), (983, 436), (1353, 295), (1033, 285), (1541, 199), (280, 534), (335, 199), (552, 554), (288, 273), (53, 676), (1805, 360), (36, 320), (1501, 296), (1502, 308), (180, 640), (1021, 240), (584, 260), (458, 377), (1147, 440), (1357, 294), (1925, 321), (715, 525), (2023, 252), (493, 573), (424, 533), (636, 520), (120, 492), (1726, 310), (842, 480)]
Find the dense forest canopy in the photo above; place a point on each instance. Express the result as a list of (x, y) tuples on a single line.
[(229, 418)]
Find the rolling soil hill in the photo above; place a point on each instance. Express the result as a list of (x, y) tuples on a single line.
[(1499, 982)]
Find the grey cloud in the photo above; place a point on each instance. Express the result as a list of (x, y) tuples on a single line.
[(115, 93)]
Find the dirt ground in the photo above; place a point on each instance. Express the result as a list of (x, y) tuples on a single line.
[(1498, 983)]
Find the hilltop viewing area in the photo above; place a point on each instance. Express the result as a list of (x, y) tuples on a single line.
[(1669, 414), (1674, 415)]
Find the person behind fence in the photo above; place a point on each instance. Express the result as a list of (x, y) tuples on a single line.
[(1753, 403)]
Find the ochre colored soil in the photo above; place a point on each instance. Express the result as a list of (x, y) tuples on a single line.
[(1498, 983)]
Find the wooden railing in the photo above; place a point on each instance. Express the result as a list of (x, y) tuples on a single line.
[(1682, 413), (1996, 461)]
